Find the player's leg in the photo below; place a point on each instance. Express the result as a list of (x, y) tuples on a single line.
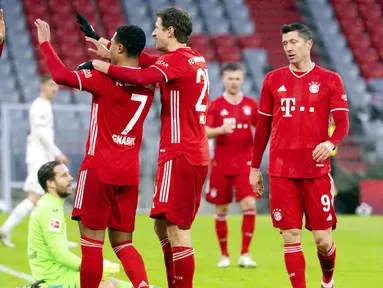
[(321, 219), (121, 226), (220, 193), (286, 206), (162, 234), (245, 195), (25, 207), (92, 209)]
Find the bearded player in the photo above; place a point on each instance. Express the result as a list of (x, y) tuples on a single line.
[(230, 119), (295, 108), (107, 186)]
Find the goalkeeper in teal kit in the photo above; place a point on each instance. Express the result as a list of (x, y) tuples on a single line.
[(51, 263)]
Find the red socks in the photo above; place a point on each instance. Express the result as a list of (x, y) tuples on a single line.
[(327, 262), (183, 258), (222, 232), (295, 264), (91, 263), (133, 264), (248, 225), (168, 257)]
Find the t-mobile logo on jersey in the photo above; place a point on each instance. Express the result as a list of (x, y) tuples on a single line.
[(288, 105)]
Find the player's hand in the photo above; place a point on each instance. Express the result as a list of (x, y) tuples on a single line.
[(101, 50), (43, 31), (256, 181), (86, 65), (101, 66), (323, 151), (2, 26), (227, 128), (62, 159), (109, 269), (86, 27)]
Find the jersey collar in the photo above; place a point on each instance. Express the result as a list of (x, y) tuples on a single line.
[(304, 74), (231, 102), (53, 199)]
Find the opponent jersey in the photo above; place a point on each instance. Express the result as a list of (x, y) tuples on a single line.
[(233, 151), (300, 104), (184, 96), (48, 254), (41, 147), (116, 127)]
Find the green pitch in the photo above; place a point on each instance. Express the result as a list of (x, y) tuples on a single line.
[(359, 254)]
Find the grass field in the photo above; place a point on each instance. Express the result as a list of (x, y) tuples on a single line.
[(359, 254)]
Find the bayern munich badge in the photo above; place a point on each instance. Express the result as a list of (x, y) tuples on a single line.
[(277, 214), (314, 87), (247, 110)]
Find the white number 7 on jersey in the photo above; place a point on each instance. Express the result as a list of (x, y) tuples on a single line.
[(132, 122), (202, 73)]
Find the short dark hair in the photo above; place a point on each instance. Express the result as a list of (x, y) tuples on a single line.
[(303, 30), (45, 78), (132, 37), (231, 67), (180, 20), (46, 172)]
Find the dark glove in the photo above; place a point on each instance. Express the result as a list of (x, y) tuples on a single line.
[(37, 284), (86, 65), (86, 27)]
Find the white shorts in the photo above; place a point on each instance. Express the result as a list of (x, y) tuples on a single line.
[(32, 183)]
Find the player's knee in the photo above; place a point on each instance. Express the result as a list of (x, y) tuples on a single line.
[(179, 237), (248, 203), (222, 209), (323, 239), (291, 236)]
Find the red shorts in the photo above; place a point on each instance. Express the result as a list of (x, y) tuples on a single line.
[(221, 187), (100, 205), (291, 198), (177, 194)]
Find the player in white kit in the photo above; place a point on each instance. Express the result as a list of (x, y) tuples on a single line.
[(41, 149)]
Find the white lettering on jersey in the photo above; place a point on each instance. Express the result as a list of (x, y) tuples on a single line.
[(163, 63), (123, 140), (287, 107), (195, 60)]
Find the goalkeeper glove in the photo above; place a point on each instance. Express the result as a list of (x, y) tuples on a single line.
[(86, 65), (86, 27), (109, 269)]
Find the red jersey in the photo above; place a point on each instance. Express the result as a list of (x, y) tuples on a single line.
[(184, 96), (1, 48), (233, 151), (116, 127), (300, 104)]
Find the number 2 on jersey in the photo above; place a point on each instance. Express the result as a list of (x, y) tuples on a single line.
[(202, 74), (132, 122)]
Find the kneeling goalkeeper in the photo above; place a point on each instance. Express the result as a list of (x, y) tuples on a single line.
[(52, 264)]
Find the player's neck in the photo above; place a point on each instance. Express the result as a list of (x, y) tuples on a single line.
[(130, 62), (173, 46), (234, 98), (302, 66), (44, 97)]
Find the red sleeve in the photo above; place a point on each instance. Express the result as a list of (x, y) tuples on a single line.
[(341, 126), (136, 76), (338, 97), (266, 102), (93, 81), (210, 115), (60, 73), (261, 137), (147, 60), (170, 65), (1, 48), (255, 113)]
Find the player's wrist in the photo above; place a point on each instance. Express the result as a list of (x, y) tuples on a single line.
[(329, 145)]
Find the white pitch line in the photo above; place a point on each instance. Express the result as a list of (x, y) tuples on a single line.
[(18, 274)]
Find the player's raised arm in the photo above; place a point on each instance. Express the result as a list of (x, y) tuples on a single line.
[(2, 31)]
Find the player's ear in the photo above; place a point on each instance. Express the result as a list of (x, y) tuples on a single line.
[(310, 43), (170, 31)]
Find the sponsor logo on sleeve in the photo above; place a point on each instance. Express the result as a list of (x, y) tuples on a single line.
[(55, 225)]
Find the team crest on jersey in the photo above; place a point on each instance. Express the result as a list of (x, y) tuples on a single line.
[(224, 112), (213, 193), (246, 110), (55, 225), (314, 87), (277, 214)]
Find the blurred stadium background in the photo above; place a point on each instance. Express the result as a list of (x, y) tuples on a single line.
[(348, 39)]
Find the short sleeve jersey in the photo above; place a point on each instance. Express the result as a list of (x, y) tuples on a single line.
[(300, 105), (184, 96), (233, 151), (116, 127)]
